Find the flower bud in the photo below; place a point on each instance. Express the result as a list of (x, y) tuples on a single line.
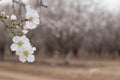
[(6, 17), (13, 18), (24, 31), (2, 14)]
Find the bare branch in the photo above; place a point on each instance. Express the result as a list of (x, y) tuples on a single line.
[(43, 5), (20, 2)]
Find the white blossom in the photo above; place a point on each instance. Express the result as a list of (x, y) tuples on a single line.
[(33, 18), (26, 54), (20, 41), (13, 18)]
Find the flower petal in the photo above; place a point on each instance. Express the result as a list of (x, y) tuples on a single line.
[(16, 39), (24, 39), (14, 47), (34, 48), (22, 59), (24, 31), (31, 58)]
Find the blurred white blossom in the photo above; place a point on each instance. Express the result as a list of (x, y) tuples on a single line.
[(19, 41), (24, 31), (33, 18), (26, 54), (13, 18)]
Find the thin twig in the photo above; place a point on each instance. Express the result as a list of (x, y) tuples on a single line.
[(6, 25), (20, 2), (43, 5)]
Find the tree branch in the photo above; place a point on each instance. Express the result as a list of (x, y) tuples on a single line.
[(20, 2), (41, 4)]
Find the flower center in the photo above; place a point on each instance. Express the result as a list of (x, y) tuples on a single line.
[(26, 53), (20, 43), (30, 19)]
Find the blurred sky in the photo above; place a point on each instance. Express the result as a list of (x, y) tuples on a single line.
[(112, 6), (9, 1)]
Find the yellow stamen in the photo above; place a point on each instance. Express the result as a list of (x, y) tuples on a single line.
[(20, 43), (30, 19), (26, 53)]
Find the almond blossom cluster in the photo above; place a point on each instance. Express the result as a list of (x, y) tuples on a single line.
[(21, 43)]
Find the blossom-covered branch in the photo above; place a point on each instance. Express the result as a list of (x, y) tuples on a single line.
[(21, 44)]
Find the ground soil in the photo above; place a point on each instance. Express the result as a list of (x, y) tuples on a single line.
[(85, 70)]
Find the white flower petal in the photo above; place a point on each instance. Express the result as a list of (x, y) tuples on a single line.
[(19, 52), (22, 59), (14, 47), (36, 21), (16, 39), (24, 39), (25, 31), (34, 48), (30, 25), (31, 58), (31, 51)]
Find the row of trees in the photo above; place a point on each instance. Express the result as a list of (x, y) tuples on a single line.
[(74, 26), (68, 27)]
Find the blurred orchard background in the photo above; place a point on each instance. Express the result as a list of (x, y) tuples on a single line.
[(75, 38)]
